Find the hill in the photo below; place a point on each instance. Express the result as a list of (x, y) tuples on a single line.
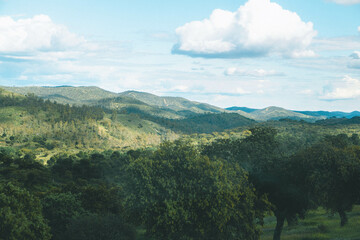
[(178, 104), (244, 109), (276, 113), (65, 94), (328, 114), (31, 124), (171, 107)]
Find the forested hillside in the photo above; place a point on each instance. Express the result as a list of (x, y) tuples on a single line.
[(168, 107), (125, 169)]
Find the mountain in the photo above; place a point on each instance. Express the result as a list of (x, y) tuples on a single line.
[(166, 107), (330, 114), (273, 113), (126, 104), (339, 121), (244, 109), (174, 103), (65, 94), (172, 107), (276, 113)]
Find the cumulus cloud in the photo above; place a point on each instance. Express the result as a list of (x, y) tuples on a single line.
[(251, 73), (347, 88), (38, 33), (355, 55), (354, 64), (359, 28), (345, 2), (355, 61), (258, 28)]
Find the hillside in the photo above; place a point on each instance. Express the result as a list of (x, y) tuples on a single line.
[(244, 109), (272, 113), (275, 113), (328, 114), (29, 123), (65, 94), (174, 103), (164, 107), (127, 105), (171, 107)]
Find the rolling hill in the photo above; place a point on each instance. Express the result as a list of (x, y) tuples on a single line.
[(164, 107), (172, 107), (174, 103), (276, 113)]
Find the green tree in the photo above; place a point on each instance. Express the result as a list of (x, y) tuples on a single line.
[(98, 227), (177, 193), (270, 171), (59, 209), (331, 169), (21, 215)]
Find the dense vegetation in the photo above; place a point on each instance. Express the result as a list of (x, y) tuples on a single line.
[(114, 175)]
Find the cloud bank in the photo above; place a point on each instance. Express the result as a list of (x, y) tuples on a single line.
[(355, 61), (39, 33), (257, 28), (347, 88), (345, 2), (233, 71)]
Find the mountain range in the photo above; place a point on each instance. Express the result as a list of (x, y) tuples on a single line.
[(166, 107)]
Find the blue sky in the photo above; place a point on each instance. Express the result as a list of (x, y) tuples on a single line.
[(302, 55)]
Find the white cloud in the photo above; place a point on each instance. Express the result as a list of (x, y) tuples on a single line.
[(355, 55), (347, 88), (39, 33), (336, 44), (307, 92), (240, 90), (257, 28), (251, 73), (359, 28), (355, 62), (345, 2)]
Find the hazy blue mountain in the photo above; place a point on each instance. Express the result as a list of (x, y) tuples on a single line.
[(244, 109), (328, 114)]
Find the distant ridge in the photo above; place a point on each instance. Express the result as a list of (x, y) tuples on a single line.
[(65, 94), (331, 114), (276, 113), (244, 109), (174, 103), (168, 107)]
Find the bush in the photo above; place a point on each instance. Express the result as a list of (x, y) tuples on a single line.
[(97, 227)]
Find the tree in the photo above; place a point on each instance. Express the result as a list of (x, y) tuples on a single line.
[(331, 169), (177, 193), (98, 227), (20, 215), (270, 171), (59, 209)]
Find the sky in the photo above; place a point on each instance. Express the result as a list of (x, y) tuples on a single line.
[(295, 54)]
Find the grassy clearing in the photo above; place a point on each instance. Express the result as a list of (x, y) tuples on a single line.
[(318, 225)]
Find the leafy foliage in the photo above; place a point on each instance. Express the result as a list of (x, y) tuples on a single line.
[(180, 194), (20, 215)]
